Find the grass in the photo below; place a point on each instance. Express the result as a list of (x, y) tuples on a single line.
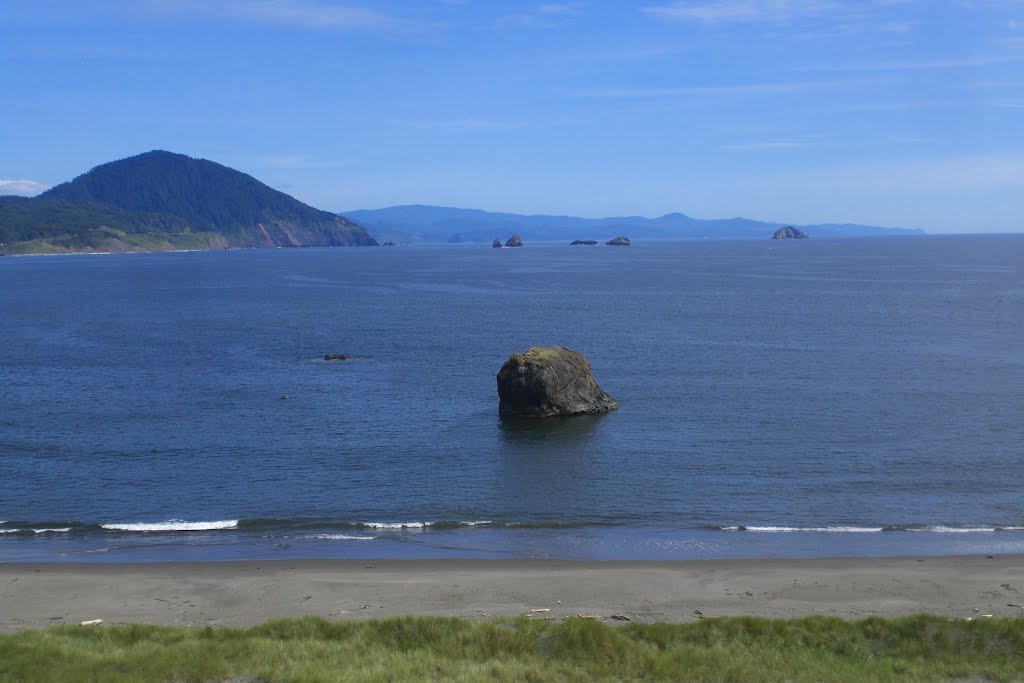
[(918, 648)]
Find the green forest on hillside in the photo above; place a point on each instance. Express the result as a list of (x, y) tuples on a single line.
[(160, 200)]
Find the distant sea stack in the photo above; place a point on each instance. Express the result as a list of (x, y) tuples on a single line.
[(514, 241), (587, 243), (789, 233), (158, 201), (618, 242), (548, 382), (496, 243)]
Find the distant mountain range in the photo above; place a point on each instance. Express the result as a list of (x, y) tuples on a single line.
[(160, 201), (418, 223)]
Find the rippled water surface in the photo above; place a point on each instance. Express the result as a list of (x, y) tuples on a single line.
[(777, 398)]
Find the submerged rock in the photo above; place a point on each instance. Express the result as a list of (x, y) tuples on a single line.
[(588, 243), (514, 241), (496, 243), (618, 242), (789, 233), (337, 356), (549, 381)]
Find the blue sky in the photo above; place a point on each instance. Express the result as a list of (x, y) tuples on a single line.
[(889, 112)]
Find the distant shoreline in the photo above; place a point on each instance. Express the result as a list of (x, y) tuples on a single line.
[(250, 592)]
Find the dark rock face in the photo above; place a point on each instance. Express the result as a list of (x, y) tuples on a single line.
[(514, 241), (337, 356), (789, 233), (588, 243), (496, 243), (549, 381), (618, 242)]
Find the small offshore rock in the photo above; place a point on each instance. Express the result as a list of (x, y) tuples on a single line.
[(789, 233), (337, 356), (547, 382), (514, 241), (496, 243), (588, 243), (618, 242)]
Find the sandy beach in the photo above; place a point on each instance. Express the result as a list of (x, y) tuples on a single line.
[(246, 593)]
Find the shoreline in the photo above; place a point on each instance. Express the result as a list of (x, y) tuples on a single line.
[(246, 593)]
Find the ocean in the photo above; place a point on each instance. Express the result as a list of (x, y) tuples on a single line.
[(859, 397)]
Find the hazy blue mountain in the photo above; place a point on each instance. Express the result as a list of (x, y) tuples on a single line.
[(161, 200), (418, 223)]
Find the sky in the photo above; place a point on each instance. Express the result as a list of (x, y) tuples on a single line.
[(903, 113)]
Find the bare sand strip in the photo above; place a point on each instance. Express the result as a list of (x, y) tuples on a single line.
[(248, 593)]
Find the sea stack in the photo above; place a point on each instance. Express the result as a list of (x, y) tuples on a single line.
[(789, 233), (547, 382), (618, 242), (496, 243), (514, 241)]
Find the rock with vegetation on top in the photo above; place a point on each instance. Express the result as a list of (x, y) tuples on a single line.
[(514, 241), (588, 243), (789, 233), (547, 382), (618, 242), (496, 243)]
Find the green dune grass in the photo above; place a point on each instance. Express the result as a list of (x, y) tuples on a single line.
[(918, 648)]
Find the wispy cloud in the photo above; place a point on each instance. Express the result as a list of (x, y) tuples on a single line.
[(713, 11), (738, 89), (21, 188), (772, 145), (467, 123), (969, 172), (968, 62), (549, 15), (298, 13), (286, 161), (924, 105)]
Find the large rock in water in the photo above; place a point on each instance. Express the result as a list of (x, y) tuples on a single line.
[(549, 381), (618, 242), (496, 243), (514, 241), (789, 233)]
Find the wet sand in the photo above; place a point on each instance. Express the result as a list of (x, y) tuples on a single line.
[(248, 593)]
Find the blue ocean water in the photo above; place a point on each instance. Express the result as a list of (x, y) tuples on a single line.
[(793, 398)]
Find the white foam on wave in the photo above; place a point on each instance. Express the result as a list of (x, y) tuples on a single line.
[(173, 525), (957, 529), (61, 530), (340, 537), (420, 525), (813, 529)]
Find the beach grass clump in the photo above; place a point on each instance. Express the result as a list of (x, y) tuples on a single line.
[(920, 648)]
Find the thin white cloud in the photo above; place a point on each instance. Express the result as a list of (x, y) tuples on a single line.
[(772, 145), (969, 62), (952, 174), (21, 188), (924, 105), (740, 89), (551, 15), (298, 13), (468, 123), (714, 11), (284, 161), (554, 8)]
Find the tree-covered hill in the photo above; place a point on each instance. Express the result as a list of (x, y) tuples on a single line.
[(162, 200)]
